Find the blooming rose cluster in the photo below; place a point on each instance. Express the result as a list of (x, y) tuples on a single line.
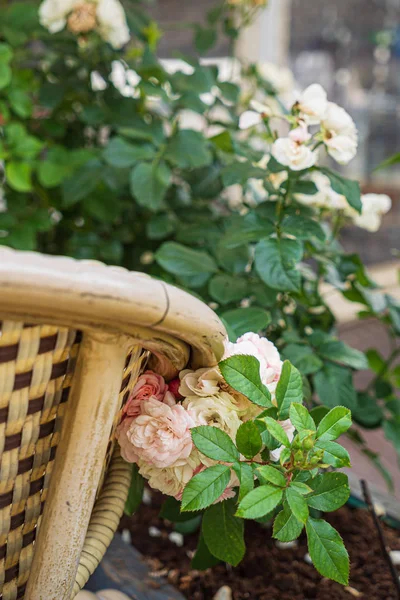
[(332, 126), (155, 429), (107, 17)]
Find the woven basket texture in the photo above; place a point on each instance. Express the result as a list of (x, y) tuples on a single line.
[(36, 372)]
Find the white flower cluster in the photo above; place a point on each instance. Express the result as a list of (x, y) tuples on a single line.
[(155, 430), (107, 17), (298, 150), (374, 206)]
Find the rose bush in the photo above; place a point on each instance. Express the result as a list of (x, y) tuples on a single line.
[(227, 461), (211, 179)]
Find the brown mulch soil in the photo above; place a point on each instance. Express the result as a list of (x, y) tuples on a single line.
[(268, 572)]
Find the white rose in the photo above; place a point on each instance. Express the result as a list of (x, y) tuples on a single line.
[(289, 429), (219, 411), (113, 27), (339, 134), (281, 78), (293, 155), (313, 103), (53, 14), (97, 82), (171, 480), (203, 382), (374, 206)]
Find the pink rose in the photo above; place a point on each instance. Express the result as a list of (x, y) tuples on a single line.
[(263, 350), (160, 435), (127, 451), (149, 385)]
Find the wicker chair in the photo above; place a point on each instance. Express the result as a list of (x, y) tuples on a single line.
[(74, 336)]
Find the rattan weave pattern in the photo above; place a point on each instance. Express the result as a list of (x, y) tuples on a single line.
[(36, 368)]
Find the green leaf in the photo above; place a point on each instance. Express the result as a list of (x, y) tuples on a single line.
[(286, 527), (246, 478), (203, 559), (224, 533), (82, 182), (135, 493), (19, 176), (302, 227), (334, 454), (327, 551), (248, 439), (346, 187), (20, 102), (205, 487), (303, 357), (182, 261), (5, 75), (242, 320), (205, 39), (243, 374), (149, 183), (227, 288), (6, 53), (272, 475), (318, 413), (188, 149), (368, 412), (160, 226), (276, 430), (214, 443), (300, 487), (334, 386), (302, 420), (305, 187), (171, 510), (330, 491), (336, 422), (297, 504), (276, 261), (340, 352), (392, 160), (289, 389), (259, 502), (121, 154)]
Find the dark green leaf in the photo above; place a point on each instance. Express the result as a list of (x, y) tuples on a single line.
[(223, 532), (203, 559), (368, 412), (346, 187), (248, 439), (330, 491), (289, 389), (327, 551), (246, 478), (82, 182), (286, 527), (171, 510), (247, 319), (276, 263), (227, 288), (188, 149), (334, 386), (182, 261), (276, 430), (304, 358), (121, 154), (302, 227), (135, 493), (214, 443), (301, 419), (149, 184), (340, 352)]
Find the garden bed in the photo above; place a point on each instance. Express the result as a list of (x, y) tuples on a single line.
[(268, 572)]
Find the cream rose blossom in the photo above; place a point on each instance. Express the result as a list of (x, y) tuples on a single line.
[(160, 435), (374, 206), (296, 156), (339, 134), (171, 480), (219, 411), (313, 103), (203, 382), (107, 17)]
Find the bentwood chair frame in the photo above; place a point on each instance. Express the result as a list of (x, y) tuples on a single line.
[(74, 336)]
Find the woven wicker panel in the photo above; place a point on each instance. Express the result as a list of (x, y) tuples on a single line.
[(36, 367)]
